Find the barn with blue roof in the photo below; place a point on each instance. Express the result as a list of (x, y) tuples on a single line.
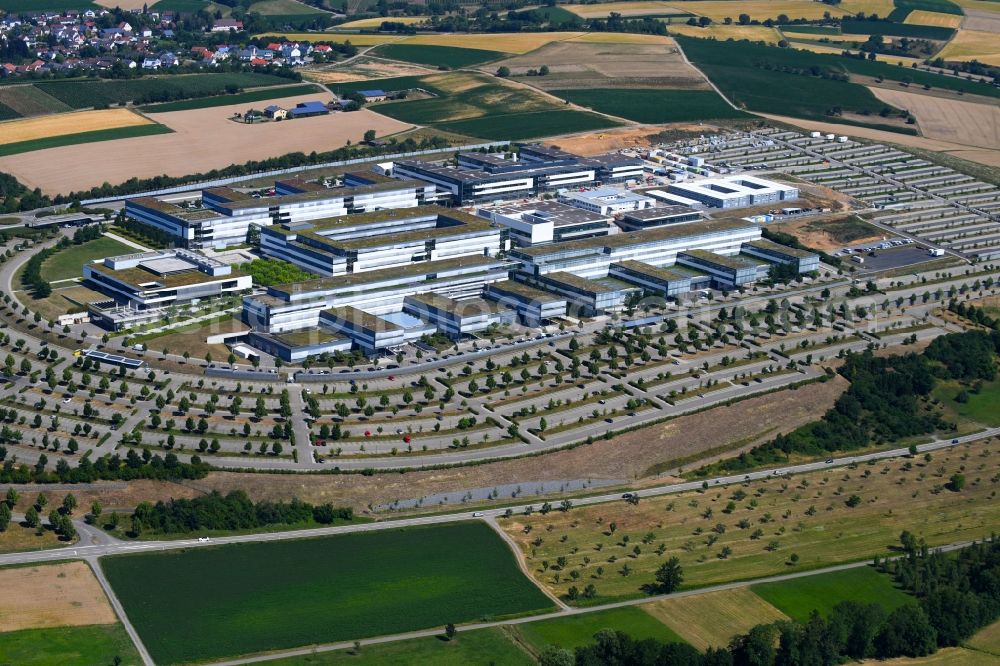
[(307, 109)]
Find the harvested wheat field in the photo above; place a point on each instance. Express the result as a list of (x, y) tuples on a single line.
[(880, 7), (953, 656), (604, 9), (202, 139), (973, 45), (924, 17), (761, 10), (710, 620), (504, 42), (379, 20), (362, 69), (578, 64), (982, 20), (29, 129), (620, 38), (756, 33), (52, 595), (948, 119)]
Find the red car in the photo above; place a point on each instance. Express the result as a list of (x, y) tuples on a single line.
[(406, 439)]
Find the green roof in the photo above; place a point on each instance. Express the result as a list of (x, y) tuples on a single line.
[(361, 318), (735, 262), (666, 274), (765, 244), (581, 283)]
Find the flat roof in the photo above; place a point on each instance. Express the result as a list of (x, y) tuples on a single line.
[(559, 214), (306, 337), (409, 270), (579, 282), (452, 305), (668, 274), (136, 277), (605, 194), (474, 227), (385, 215), (361, 318), (659, 213), (526, 290), (765, 244), (735, 262)]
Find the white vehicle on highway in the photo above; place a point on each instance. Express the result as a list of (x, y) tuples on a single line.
[(202, 539), (478, 514)]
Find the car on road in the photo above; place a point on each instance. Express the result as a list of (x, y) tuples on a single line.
[(202, 539), (829, 461), (66, 401), (477, 514)]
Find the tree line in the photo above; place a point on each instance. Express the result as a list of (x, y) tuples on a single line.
[(234, 511), (109, 467), (884, 401), (953, 598)]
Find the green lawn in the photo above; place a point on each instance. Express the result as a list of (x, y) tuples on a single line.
[(436, 56), (68, 263), (576, 630), (83, 137), (799, 597), (255, 597), (484, 646), (982, 407), (654, 106), (238, 98), (94, 645)]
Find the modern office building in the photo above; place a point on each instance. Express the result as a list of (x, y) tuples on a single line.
[(727, 271), (381, 239), (225, 215), (534, 306), (590, 297), (538, 222), (735, 191), (657, 217), (491, 176), (142, 285), (804, 261), (457, 318), (670, 282), (606, 200)]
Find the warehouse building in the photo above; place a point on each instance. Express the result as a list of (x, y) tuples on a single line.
[(538, 222), (226, 215), (735, 191)]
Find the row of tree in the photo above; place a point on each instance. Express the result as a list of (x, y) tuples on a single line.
[(109, 467), (234, 511)]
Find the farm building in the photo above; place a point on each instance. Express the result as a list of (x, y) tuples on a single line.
[(275, 112), (308, 109), (376, 95)]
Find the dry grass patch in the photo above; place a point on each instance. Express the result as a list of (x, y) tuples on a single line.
[(29, 129), (362, 69), (948, 119), (944, 657), (379, 20), (603, 10), (924, 17), (621, 38), (973, 45), (712, 619), (987, 639), (756, 33), (761, 10), (503, 42), (869, 7), (52, 595)]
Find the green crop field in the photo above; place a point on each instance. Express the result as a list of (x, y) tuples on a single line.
[(86, 94), (799, 597), (68, 263), (896, 30), (811, 29), (437, 56), (654, 106), (473, 647), (27, 6), (68, 646), (7, 113), (574, 631), (734, 63), (904, 7), (83, 137), (394, 84), (518, 126), (238, 98), (255, 597)]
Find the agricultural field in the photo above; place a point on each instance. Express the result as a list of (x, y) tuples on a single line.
[(238, 98), (52, 595), (330, 38), (436, 56), (628, 9), (755, 33), (654, 106), (466, 648), (937, 19), (370, 23), (898, 29), (28, 100), (520, 42), (987, 639), (952, 120), (762, 528), (761, 10), (362, 69), (283, 8), (973, 45), (67, 264), (318, 590), (711, 619), (799, 597), (576, 630), (26, 6), (186, 150), (33, 129), (578, 64), (943, 657), (90, 93)]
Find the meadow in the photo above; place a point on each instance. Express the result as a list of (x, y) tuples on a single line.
[(573, 631), (654, 106), (754, 530), (535, 125), (712, 619), (68, 263), (437, 56), (897, 29), (254, 597), (238, 98), (68, 646), (85, 94), (799, 597), (27, 100)]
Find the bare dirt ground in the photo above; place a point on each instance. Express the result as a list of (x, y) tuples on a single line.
[(629, 456), (977, 19), (949, 120), (203, 139), (596, 143), (52, 595), (362, 69), (574, 64), (986, 156), (828, 233)]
